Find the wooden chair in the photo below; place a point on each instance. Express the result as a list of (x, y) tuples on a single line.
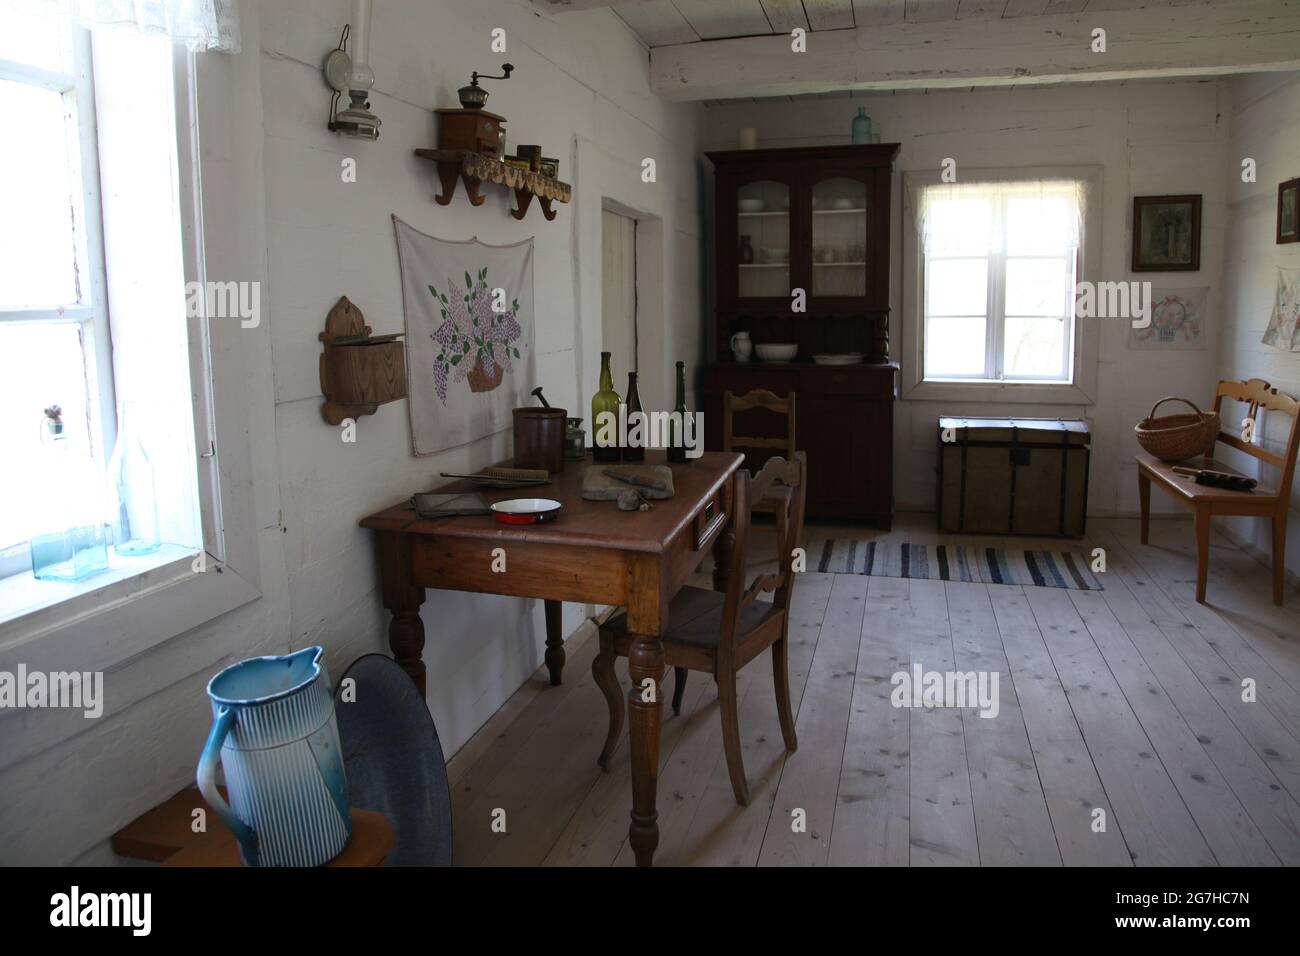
[(759, 398), (720, 632), (1206, 502)]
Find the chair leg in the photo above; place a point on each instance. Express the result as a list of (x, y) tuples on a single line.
[(781, 679), (1279, 557), (679, 688), (1202, 552), (727, 705), (602, 671), (1144, 502)]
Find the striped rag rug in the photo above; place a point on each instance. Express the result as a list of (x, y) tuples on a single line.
[(953, 562)]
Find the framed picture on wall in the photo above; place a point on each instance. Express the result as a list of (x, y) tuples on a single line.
[(1288, 211), (1166, 233)]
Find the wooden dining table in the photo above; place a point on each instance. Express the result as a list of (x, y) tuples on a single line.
[(591, 554)]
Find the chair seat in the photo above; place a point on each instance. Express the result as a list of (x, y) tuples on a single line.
[(695, 618), (1186, 486)]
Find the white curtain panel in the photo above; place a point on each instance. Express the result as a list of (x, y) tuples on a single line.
[(962, 218), (202, 25)]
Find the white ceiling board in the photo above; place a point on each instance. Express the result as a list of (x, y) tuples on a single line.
[(1024, 8), (829, 14), (1098, 6), (657, 22), (712, 19), (784, 15), (980, 9), (1219, 39), (875, 13), (928, 11)]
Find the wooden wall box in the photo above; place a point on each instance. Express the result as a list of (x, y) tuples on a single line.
[(358, 373), (475, 130)]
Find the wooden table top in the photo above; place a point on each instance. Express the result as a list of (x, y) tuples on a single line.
[(596, 524)]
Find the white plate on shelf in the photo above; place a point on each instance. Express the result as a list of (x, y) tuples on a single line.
[(841, 358)]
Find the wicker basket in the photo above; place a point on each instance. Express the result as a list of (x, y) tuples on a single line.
[(1178, 437)]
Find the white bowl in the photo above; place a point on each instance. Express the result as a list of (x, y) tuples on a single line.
[(782, 352), (843, 203), (751, 205), (774, 255)]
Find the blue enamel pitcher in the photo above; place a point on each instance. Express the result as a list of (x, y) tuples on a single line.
[(276, 735)]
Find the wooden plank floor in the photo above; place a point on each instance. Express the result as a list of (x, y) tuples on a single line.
[(1121, 738)]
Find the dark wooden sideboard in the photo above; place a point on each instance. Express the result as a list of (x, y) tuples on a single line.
[(801, 257), (844, 420)]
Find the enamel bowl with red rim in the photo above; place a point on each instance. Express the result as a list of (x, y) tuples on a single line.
[(526, 510)]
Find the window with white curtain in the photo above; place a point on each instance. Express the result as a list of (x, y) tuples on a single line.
[(999, 265), (92, 298)]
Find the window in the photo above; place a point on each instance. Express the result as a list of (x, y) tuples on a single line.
[(999, 265), (92, 308)]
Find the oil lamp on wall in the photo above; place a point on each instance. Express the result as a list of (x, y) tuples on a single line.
[(352, 72)]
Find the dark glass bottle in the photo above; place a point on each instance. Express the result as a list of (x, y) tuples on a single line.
[(604, 441), (634, 447), (677, 443)]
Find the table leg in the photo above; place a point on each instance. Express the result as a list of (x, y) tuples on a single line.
[(555, 640), (403, 599), (645, 660)]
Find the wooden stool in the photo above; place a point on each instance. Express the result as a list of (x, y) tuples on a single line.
[(165, 835)]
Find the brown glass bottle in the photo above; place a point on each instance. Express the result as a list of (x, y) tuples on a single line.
[(634, 447)]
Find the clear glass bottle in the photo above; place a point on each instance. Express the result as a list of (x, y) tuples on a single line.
[(132, 491), (604, 432), (677, 443), (634, 449)]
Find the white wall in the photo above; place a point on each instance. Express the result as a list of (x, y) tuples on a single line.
[(580, 89), (1265, 126), (1150, 138)]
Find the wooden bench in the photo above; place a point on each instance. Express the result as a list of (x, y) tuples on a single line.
[(1205, 501)]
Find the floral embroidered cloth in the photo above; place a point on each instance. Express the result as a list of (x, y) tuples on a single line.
[(1283, 330), (469, 336)]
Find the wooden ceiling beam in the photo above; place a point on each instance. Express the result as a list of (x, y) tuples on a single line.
[(1203, 40)]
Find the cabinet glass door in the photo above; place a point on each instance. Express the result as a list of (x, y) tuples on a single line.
[(839, 238), (763, 233)]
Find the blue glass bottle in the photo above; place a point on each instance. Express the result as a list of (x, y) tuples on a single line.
[(861, 127)]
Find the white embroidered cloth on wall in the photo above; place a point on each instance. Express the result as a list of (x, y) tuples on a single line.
[(1283, 330), (469, 336), (1177, 320)]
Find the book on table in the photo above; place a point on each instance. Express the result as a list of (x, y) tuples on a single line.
[(429, 505)]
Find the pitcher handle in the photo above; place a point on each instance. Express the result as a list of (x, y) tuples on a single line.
[(208, 785)]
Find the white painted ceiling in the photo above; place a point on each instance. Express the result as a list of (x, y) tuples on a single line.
[(668, 22)]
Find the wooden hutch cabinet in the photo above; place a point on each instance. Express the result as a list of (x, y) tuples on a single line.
[(814, 219)]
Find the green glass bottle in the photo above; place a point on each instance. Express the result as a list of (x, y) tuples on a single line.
[(604, 440), (677, 443)]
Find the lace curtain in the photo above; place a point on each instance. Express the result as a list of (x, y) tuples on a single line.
[(202, 25), (973, 218)]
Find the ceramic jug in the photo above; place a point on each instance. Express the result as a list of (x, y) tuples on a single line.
[(275, 732), (741, 347)]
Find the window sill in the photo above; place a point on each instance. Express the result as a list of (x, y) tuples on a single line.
[(1000, 393), (21, 593)]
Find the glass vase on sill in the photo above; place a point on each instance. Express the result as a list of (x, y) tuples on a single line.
[(133, 511)]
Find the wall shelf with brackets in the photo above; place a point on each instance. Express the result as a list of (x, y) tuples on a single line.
[(475, 168)]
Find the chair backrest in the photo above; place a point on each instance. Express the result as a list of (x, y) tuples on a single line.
[(781, 484), (1257, 394), (759, 398)]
